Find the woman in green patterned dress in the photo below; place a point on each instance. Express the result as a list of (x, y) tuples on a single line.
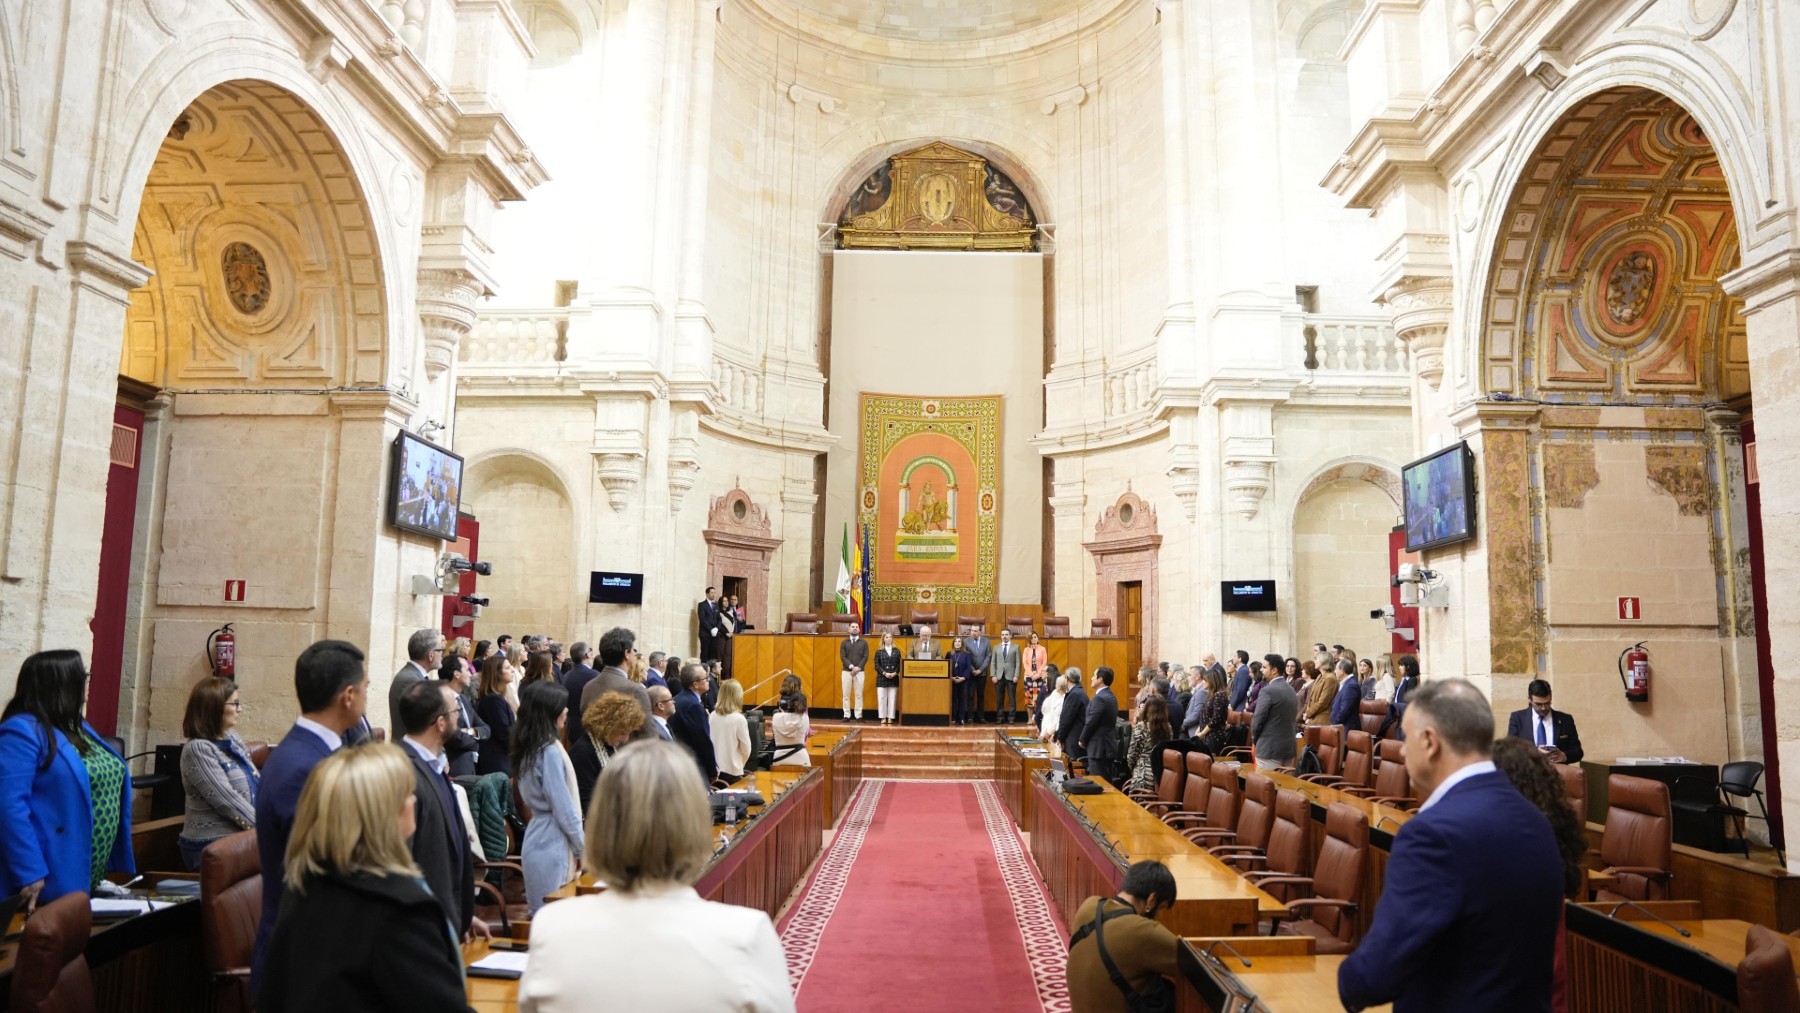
[(65, 795)]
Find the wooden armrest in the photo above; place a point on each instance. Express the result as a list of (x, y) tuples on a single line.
[(514, 866), (1197, 835), (1232, 847), (1638, 870), (1326, 779), (1362, 793), (1235, 859), (1262, 879), (1347, 905), (1153, 806), (1183, 817), (1395, 801)]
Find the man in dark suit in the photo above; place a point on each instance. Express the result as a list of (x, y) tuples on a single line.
[(1240, 682), (1074, 716), (711, 625), (332, 684), (1551, 731), (1473, 894), (440, 842), (467, 728), (425, 652), (580, 673), (1100, 730), (981, 652), (615, 645), (689, 725)]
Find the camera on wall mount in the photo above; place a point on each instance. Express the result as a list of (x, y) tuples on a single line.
[(1421, 588), (468, 609), (446, 577)]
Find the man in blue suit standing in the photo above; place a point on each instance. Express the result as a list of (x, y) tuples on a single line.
[(688, 725), (1240, 682), (333, 686), (1468, 914)]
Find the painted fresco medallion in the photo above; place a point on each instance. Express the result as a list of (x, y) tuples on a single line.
[(246, 278), (1628, 287), (1626, 294), (937, 197)]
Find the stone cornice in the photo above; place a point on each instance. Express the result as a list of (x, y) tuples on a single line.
[(790, 20), (1138, 428), (106, 272), (803, 439)]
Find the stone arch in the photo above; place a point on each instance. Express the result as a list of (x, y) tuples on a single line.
[(1606, 279), (202, 59), (1693, 78), (10, 129), (267, 270), (1339, 561), (529, 531)]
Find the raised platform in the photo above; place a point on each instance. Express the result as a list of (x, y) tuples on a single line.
[(922, 753)]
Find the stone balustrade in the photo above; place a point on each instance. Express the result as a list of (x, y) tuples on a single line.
[(740, 386), (1130, 389), (1351, 349), (510, 338), (405, 17)]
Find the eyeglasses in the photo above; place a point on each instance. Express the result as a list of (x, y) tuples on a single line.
[(237, 705)]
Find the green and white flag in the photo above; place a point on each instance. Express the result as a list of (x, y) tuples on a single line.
[(843, 581)]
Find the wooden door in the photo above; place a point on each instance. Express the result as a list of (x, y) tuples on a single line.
[(1130, 621)]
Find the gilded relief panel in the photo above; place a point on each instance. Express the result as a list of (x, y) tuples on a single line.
[(1506, 495)]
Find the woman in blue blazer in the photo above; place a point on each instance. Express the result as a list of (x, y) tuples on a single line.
[(65, 795)]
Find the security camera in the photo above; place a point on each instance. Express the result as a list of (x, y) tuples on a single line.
[(475, 600), (445, 577), (461, 565), (1378, 613)]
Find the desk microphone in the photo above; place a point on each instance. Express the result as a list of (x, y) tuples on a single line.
[(1614, 913), (1220, 942)]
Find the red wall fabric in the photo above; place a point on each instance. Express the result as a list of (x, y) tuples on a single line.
[(108, 624)]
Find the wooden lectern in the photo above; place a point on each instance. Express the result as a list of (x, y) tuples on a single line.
[(924, 691)]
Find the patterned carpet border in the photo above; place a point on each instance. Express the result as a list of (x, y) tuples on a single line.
[(807, 921), (1045, 947)]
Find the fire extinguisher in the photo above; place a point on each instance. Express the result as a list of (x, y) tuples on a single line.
[(1634, 673), (221, 652)]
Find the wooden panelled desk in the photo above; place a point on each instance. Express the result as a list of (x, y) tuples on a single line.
[(1013, 770), (837, 752), (1280, 983), (1729, 886), (756, 655), (1083, 843), (925, 691), (1632, 963), (762, 861), (151, 962)]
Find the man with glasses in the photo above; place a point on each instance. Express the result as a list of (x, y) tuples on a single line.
[(425, 653), (440, 842), (1552, 731)]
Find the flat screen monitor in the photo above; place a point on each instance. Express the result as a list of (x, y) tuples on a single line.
[(1247, 596), (608, 588), (1439, 493), (425, 490)]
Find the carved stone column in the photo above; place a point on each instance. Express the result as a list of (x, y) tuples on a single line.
[(1421, 307), (1249, 454), (620, 422), (447, 312), (684, 456)]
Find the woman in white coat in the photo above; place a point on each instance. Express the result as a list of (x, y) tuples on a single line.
[(649, 835), (1053, 705)]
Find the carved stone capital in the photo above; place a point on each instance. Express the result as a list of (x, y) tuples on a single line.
[(619, 474), (1421, 308), (447, 312), (1247, 481), (684, 467)]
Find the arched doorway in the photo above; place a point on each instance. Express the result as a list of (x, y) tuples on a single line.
[(1612, 462), (1341, 526), (529, 534), (255, 358)]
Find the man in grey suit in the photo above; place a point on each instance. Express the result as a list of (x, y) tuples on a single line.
[(1006, 680), (616, 645), (425, 649), (926, 647), (981, 651), (1277, 717)]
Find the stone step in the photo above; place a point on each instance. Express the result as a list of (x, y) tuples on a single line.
[(926, 771)]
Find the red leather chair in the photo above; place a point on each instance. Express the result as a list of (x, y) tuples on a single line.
[(1225, 794), (1285, 869), (230, 907), (1331, 755), (1256, 820), (842, 625), (1574, 782), (802, 622), (50, 972), (1169, 782), (885, 622), (928, 617), (1056, 626), (1638, 839), (1196, 789), (1019, 626), (1099, 627), (1359, 764), (1333, 922), (970, 625), (1765, 977), (1392, 785), (1371, 715), (259, 753)]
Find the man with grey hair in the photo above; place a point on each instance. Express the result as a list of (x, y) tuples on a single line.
[(424, 652), (1468, 915)]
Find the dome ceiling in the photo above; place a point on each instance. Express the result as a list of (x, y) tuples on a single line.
[(938, 20)]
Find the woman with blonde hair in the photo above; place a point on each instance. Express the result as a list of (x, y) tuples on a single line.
[(636, 668), (358, 929), (730, 729), (607, 724), (649, 836)]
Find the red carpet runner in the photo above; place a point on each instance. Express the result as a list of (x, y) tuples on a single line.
[(926, 900)]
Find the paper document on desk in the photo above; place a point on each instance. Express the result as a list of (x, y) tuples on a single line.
[(102, 907), (499, 965)]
